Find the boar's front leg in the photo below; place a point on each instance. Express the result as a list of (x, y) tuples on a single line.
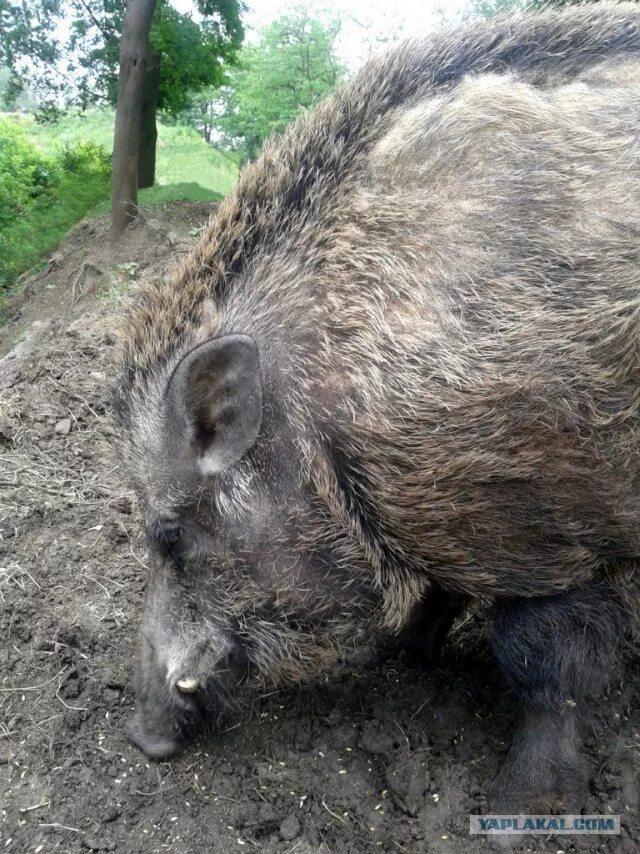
[(555, 653)]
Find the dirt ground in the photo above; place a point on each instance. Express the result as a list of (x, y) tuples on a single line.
[(380, 758)]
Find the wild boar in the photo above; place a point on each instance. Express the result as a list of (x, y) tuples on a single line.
[(403, 362)]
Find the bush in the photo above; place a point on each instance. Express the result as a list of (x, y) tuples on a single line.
[(24, 172), (69, 179), (42, 196), (86, 157)]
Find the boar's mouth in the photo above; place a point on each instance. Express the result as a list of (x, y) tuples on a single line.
[(172, 713), (156, 739), (163, 729)]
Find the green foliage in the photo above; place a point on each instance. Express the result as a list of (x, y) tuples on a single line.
[(184, 158), (6, 93), (186, 166), (42, 226), (42, 195), (202, 112), (52, 174), (80, 60), (293, 66), (193, 55), (86, 157), (487, 8), (72, 127), (13, 94), (48, 113), (27, 29), (25, 173)]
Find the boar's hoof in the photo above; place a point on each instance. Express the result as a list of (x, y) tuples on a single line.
[(154, 744), (561, 792)]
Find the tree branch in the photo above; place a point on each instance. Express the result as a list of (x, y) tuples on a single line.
[(96, 96), (108, 35)]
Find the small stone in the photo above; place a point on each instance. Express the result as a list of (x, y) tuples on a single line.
[(290, 828), (267, 814), (375, 740), (122, 504), (111, 814), (91, 844), (63, 427), (111, 696)]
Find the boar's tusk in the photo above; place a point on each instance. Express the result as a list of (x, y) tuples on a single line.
[(187, 685)]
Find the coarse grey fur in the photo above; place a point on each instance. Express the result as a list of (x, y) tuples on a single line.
[(439, 270)]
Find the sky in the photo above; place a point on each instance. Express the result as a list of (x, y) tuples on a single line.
[(365, 23)]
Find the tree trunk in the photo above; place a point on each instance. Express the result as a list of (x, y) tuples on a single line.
[(149, 132), (134, 50)]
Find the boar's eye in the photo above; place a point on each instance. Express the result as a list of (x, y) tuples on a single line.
[(167, 536)]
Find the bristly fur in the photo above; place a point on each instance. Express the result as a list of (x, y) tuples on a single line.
[(292, 183), (440, 265)]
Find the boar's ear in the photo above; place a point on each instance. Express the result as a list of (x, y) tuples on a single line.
[(215, 401)]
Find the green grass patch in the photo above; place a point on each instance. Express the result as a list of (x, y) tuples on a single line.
[(119, 282), (43, 194), (38, 232), (187, 169)]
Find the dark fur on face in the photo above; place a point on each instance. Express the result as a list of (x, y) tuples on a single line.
[(405, 355)]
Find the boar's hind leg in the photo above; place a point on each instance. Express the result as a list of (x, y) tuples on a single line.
[(426, 633), (555, 654), (422, 638)]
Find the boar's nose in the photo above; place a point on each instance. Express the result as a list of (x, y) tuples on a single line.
[(176, 705), (164, 719), (154, 738)]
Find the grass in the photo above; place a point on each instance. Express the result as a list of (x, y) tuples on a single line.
[(187, 169), (40, 226), (118, 282)]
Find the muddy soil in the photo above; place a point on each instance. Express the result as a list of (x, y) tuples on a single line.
[(373, 758)]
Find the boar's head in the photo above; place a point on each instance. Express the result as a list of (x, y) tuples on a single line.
[(250, 577)]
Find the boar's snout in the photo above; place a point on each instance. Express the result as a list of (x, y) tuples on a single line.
[(174, 705), (154, 732)]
